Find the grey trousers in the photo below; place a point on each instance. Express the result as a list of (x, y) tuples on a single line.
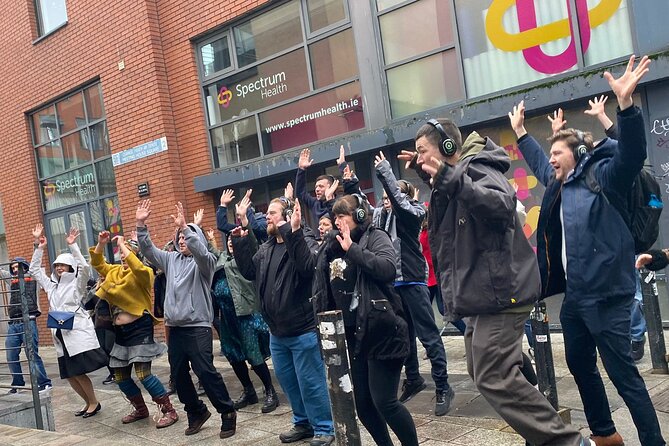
[(493, 344)]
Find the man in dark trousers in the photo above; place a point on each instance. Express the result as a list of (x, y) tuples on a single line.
[(283, 269), (487, 272), (586, 250), (15, 333)]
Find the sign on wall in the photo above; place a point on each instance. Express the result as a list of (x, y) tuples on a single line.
[(140, 151)]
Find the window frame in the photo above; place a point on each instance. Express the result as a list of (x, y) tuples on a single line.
[(39, 20)]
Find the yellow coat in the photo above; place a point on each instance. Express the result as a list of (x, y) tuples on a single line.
[(127, 288)]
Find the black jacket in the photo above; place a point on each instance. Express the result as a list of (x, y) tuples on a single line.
[(485, 263), (289, 312), (16, 309), (381, 332)]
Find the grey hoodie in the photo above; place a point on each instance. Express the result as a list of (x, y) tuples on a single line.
[(187, 295)]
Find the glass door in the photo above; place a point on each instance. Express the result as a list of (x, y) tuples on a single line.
[(58, 225)]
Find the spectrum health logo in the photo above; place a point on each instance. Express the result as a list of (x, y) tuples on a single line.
[(224, 96)]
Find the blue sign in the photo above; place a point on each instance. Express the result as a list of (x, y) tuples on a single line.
[(140, 151)]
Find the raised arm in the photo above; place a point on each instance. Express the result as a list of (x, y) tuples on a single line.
[(143, 273), (298, 250), (36, 271), (157, 257), (401, 203), (222, 212), (98, 261), (598, 111), (245, 247), (83, 269), (301, 179), (532, 152)]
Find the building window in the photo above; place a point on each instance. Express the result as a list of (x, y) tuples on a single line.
[(280, 79), (526, 41), (50, 15), (420, 61)]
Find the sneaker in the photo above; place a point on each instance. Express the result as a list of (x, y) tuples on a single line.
[(444, 401), (109, 380), (296, 433), (271, 401), (200, 388), (13, 390), (638, 349), (45, 389), (196, 422), (228, 424), (411, 389), (322, 440)]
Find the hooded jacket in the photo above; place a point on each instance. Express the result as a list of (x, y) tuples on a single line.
[(289, 312), (187, 293), (66, 294), (485, 264), (381, 332), (599, 244), (403, 223)]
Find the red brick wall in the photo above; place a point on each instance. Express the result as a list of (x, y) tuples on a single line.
[(157, 94)]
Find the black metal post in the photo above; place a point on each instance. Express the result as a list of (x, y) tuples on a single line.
[(340, 387), (543, 353), (30, 354), (651, 312)]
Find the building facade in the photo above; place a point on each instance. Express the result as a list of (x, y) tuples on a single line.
[(107, 103)]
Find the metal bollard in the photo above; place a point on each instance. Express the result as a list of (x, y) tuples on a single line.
[(543, 353), (340, 387), (651, 311)]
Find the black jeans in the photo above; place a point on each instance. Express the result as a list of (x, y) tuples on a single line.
[(376, 401), (604, 326), (192, 347)]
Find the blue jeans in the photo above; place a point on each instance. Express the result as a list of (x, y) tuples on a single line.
[(14, 341), (420, 319), (638, 323), (300, 370), (603, 326)]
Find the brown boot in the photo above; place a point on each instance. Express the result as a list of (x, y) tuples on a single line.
[(170, 415), (140, 412), (612, 440)]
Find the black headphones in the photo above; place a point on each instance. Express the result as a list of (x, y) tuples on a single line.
[(447, 146), (360, 212), (581, 147), (287, 210)]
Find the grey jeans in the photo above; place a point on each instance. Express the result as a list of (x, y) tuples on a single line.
[(493, 344)]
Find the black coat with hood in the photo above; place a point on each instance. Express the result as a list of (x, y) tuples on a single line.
[(289, 312), (380, 331), (484, 262)]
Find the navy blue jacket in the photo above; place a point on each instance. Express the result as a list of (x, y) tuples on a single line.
[(257, 222), (600, 247)]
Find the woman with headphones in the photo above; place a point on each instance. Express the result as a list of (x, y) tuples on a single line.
[(354, 274)]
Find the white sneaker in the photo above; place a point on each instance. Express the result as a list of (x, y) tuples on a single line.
[(45, 389)]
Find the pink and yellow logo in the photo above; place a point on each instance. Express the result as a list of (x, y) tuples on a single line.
[(532, 36), (224, 96)]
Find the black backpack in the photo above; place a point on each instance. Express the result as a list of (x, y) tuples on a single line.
[(644, 205)]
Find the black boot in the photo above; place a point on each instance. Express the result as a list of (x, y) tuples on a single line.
[(248, 396), (271, 401)]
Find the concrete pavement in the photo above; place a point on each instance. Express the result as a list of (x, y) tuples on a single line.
[(471, 421)]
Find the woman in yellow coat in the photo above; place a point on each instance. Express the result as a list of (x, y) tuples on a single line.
[(127, 288)]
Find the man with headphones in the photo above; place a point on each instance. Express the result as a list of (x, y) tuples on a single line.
[(318, 206), (586, 251), (402, 220), (283, 269), (487, 271)]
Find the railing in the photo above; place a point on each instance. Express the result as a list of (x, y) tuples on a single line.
[(27, 334)]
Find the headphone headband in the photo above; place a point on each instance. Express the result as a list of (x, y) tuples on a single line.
[(447, 146), (360, 212), (581, 148)]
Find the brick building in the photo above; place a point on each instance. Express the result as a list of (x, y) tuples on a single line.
[(102, 99)]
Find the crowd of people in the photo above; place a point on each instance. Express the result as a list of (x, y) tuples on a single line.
[(381, 268)]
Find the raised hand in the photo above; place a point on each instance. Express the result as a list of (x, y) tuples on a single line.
[(211, 235), (517, 118), (103, 237), (42, 241), (347, 174), (239, 232), (288, 191), (305, 159), (242, 207), (342, 155), (296, 217), (226, 197), (330, 191), (557, 121), (432, 167), (344, 236), (72, 236), (37, 231), (143, 211), (378, 159), (198, 216), (179, 219), (119, 239), (624, 86), (596, 106), (408, 156)]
